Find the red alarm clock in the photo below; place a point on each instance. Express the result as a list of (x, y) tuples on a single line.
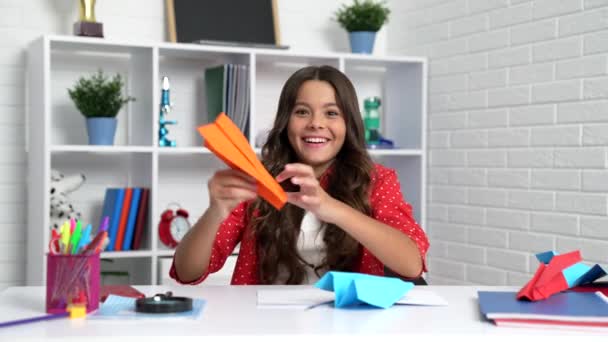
[(173, 226)]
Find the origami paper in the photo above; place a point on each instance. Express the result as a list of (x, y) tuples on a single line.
[(557, 273), (355, 288), (227, 142)]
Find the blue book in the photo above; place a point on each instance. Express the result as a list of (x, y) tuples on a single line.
[(566, 307), (108, 205), (115, 218), (128, 239)]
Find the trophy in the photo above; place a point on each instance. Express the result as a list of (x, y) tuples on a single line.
[(86, 25)]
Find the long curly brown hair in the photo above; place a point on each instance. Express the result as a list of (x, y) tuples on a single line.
[(277, 231)]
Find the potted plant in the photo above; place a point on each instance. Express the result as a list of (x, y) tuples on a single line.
[(99, 99), (362, 20)]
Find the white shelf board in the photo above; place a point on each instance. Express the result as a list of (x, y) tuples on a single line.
[(395, 152), (375, 60), (177, 49), (182, 150), (165, 252), (127, 254), (76, 44), (296, 60), (101, 149)]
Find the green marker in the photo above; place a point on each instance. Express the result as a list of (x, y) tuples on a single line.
[(75, 237)]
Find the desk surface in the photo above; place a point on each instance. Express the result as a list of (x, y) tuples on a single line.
[(232, 310)]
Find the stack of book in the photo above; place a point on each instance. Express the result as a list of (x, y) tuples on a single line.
[(227, 91), (564, 310), (127, 209)]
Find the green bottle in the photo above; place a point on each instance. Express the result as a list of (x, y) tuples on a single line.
[(371, 120)]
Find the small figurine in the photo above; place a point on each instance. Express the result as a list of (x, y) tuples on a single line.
[(77, 310), (371, 120), (78, 306), (165, 108)]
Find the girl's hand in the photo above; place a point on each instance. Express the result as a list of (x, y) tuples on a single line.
[(311, 196), (228, 188)]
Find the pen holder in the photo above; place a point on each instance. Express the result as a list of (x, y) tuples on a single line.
[(71, 278)]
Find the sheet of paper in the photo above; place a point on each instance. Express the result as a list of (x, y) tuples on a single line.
[(419, 296), (308, 297), (118, 307), (293, 298)]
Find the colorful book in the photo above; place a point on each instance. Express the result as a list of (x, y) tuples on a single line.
[(563, 309), (215, 88), (115, 217), (142, 218), (130, 229), (229, 90), (108, 205), (124, 215)]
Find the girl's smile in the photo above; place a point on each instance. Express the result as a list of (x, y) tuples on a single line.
[(316, 141)]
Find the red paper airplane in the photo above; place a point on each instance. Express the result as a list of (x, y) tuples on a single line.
[(557, 273)]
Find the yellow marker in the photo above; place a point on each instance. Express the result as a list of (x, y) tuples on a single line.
[(65, 237)]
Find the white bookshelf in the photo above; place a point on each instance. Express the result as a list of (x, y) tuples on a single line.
[(57, 135)]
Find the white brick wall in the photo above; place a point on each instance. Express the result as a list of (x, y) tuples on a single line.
[(518, 132)]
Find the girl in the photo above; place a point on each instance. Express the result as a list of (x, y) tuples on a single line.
[(346, 213)]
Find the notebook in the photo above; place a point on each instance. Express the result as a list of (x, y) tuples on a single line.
[(305, 298), (566, 308)]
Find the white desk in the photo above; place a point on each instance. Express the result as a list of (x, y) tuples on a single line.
[(232, 310)]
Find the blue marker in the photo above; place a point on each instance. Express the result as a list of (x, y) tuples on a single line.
[(85, 238)]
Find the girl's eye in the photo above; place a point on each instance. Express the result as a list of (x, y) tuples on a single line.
[(332, 113), (301, 112)]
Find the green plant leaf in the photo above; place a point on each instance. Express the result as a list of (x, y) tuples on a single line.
[(97, 96), (365, 15)]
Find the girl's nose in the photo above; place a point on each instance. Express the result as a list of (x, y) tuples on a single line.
[(316, 121)]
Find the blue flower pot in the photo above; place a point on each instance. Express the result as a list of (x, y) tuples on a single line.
[(101, 130), (362, 41)]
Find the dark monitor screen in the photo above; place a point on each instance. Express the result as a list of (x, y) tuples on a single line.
[(244, 21)]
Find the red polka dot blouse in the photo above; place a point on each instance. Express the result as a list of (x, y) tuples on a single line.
[(387, 206)]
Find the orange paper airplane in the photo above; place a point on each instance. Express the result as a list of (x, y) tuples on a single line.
[(227, 142)]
